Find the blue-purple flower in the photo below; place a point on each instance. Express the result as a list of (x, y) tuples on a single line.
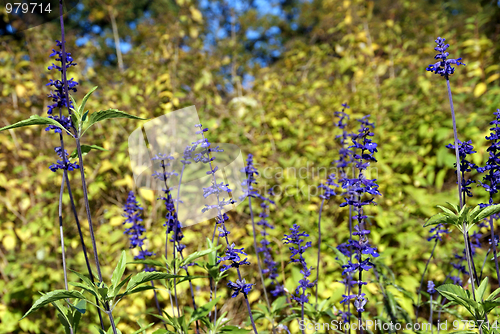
[(444, 66), (132, 211), (65, 163), (465, 149), (359, 192), (298, 245), (437, 232), (58, 95), (431, 287), (232, 254)]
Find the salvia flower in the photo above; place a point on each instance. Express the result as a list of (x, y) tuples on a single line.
[(298, 246), (464, 150), (444, 66), (359, 192), (132, 212), (232, 254), (239, 286), (58, 95), (431, 287), (270, 266), (491, 180), (437, 232), (65, 163), (171, 219)]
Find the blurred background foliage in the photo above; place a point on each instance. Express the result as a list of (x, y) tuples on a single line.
[(266, 76)]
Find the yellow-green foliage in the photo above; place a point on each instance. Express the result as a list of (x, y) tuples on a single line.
[(370, 54)]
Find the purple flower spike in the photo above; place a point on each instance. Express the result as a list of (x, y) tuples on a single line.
[(239, 286), (444, 66), (431, 287), (65, 164), (58, 95), (132, 211), (298, 247)]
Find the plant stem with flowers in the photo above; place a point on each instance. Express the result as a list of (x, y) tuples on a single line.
[(232, 253), (491, 179), (132, 212), (295, 239), (355, 190), (250, 192), (329, 187)]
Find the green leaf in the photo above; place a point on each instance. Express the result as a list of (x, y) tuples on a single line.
[(63, 318), (202, 311), (80, 309), (481, 289), (84, 287), (152, 263), (453, 206), (52, 297), (458, 295), (75, 105), (473, 214), (493, 295), (84, 101), (108, 114), (120, 268), (36, 120), (85, 279), (233, 330), (193, 256), (85, 116), (486, 212), (143, 329), (440, 218), (75, 121), (446, 210), (278, 304), (85, 150), (145, 277), (119, 286)]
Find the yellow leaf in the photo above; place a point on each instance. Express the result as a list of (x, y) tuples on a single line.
[(348, 19), (106, 165), (25, 203), (23, 235), (9, 242), (20, 90), (253, 296), (116, 221), (126, 181), (196, 14), (493, 78), (148, 194), (480, 89)]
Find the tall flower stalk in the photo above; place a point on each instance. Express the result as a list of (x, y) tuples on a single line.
[(171, 220), (232, 254), (444, 67), (296, 240), (250, 193), (329, 186), (132, 212), (270, 266), (491, 179), (356, 190), (66, 85), (437, 233)]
